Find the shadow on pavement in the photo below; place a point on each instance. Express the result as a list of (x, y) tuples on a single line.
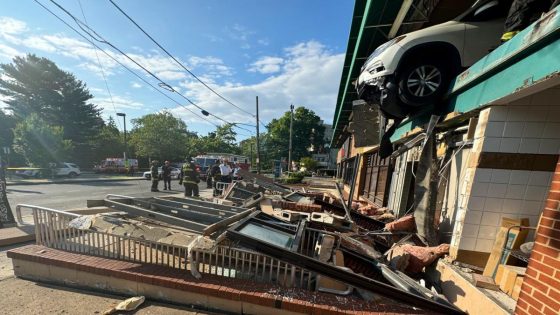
[(8, 190), (101, 183)]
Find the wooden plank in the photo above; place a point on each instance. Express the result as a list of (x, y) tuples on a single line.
[(514, 239), (499, 274), (510, 275), (484, 282), (517, 288)]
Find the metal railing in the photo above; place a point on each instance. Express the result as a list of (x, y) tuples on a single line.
[(52, 230)]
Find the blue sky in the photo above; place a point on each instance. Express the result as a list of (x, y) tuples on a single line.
[(285, 52)]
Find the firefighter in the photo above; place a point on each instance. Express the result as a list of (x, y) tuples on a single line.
[(189, 178), (166, 172), (216, 176), (155, 175)]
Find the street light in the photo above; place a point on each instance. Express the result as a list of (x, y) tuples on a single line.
[(123, 115)]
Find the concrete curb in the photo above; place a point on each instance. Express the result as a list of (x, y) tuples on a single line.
[(70, 181)]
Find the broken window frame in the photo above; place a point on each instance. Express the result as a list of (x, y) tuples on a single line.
[(293, 257)]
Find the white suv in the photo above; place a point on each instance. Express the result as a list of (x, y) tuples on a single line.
[(415, 69), (68, 169)]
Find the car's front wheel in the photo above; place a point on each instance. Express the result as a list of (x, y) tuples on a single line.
[(424, 81), (72, 174)]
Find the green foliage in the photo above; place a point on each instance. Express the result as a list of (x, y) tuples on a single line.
[(40, 143), (7, 123), (294, 178), (109, 142), (307, 133), (161, 136), (309, 163), (222, 141), (34, 85)]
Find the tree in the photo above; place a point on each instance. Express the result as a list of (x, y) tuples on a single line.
[(39, 142), (108, 142), (161, 136), (309, 163), (34, 85), (307, 134), (222, 140)]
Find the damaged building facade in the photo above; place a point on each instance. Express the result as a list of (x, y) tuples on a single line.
[(481, 161)]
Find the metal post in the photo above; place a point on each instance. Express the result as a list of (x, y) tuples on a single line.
[(251, 148), (123, 115), (6, 215), (353, 182), (258, 146), (290, 145)]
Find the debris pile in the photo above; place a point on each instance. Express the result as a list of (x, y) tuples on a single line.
[(335, 246)]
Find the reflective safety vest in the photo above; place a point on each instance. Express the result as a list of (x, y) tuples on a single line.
[(188, 175)]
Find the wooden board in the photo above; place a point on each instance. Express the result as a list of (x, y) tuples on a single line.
[(517, 288), (499, 274), (484, 282), (514, 239), (509, 277)]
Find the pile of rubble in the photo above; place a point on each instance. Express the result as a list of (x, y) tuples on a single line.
[(338, 247)]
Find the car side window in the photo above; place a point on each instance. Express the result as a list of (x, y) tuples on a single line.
[(490, 10)]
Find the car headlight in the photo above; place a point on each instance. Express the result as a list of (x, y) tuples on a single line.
[(380, 49)]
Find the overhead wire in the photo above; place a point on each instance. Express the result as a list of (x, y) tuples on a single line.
[(101, 68), (177, 61), (161, 83), (123, 65)]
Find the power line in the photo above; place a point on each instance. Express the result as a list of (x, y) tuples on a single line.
[(177, 61), (124, 66), (101, 67), (100, 39)]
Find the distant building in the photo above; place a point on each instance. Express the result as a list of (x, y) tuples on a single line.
[(325, 156)]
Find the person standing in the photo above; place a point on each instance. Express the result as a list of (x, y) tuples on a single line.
[(189, 178), (166, 172), (236, 170), (216, 176), (225, 171), (209, 177), (155, 175)]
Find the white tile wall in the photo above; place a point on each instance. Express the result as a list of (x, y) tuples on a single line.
[(488, 232), (483, 245), (528, 125), (467, 243), (473, 217), (500, 176)]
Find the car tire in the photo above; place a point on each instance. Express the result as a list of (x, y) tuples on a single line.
[(72, 174), (424, 80)]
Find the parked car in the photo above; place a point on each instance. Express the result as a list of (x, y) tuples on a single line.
[(62, 169), (174, 173), (415, 69), (68, 169)]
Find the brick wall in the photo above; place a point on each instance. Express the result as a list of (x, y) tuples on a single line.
[(540, 293)]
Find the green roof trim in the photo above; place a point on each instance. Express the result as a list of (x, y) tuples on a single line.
[(364, 37), (529, 58)]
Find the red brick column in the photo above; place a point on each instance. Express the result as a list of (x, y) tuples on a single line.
[(540, 293)]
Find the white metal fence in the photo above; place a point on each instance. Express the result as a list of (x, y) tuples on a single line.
[(52, 230)]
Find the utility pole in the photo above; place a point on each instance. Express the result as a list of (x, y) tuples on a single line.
[(258, 146), (290, 145), (251, 148), (123, 115)]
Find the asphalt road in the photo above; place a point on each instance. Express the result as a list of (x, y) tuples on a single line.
[(74, 195)]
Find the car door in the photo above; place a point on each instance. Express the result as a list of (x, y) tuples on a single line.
[(483, 29)]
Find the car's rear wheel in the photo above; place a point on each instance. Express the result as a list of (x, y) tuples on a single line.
[(72, 174), (424, 81)]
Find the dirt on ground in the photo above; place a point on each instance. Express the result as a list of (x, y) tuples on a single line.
[(22, 297), (27, 297)]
